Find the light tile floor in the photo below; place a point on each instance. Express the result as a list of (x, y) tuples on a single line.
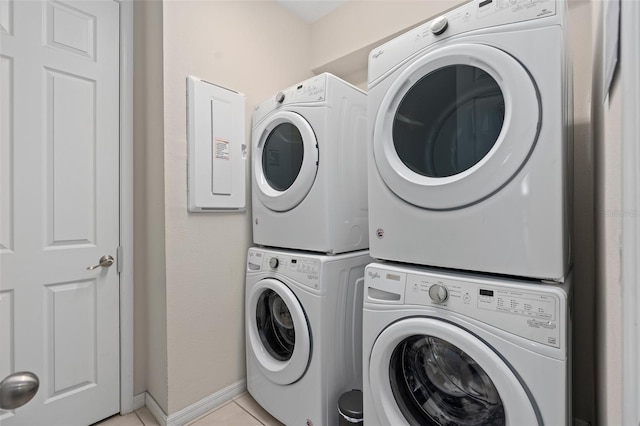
[(242, 411)]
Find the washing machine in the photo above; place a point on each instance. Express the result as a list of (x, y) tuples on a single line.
[(464, 349), (303, 332), (469, 120), (309, 168)]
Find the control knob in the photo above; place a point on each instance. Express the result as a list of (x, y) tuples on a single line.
[(438, 293), (439, 25), (274, 262), (279, 97)]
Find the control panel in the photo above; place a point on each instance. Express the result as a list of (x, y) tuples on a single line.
[(468, 17), (518, 309), (304, 270), (309, 91)]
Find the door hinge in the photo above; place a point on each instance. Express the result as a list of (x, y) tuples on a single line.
[(119, 258)]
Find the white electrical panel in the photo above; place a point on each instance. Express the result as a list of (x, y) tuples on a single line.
[(217, 150)]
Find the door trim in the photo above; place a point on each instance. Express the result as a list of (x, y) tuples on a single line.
[(630, 68), (126, 263)]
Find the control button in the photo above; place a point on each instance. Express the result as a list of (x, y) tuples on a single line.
[(279, 97), (274, 262), (466, 298), (439, 25), (438, 293)]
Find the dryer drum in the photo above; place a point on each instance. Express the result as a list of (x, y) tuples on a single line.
[(275, 325), (448, 121), (436, 383)]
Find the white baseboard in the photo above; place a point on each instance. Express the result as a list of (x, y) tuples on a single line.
[(138, 401), (155, 409), (196, 409)]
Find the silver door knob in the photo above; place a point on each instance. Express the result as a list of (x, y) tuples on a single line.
[(17, 389), (104, 262)]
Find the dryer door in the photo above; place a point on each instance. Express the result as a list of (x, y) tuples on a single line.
[(424, 371), (279, 334), (285, 160), (455, 126)]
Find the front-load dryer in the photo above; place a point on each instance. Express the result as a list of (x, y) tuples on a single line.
[(464, 349), (309, 189), (469, 120), (303, 332)]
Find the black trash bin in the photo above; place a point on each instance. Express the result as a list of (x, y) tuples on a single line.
[(350, 408)]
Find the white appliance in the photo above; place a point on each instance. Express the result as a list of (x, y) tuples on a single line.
[(470, 151), (309, 172), (304, 332), (463, 349)]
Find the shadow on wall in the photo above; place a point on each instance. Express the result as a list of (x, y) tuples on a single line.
[(583, 277)]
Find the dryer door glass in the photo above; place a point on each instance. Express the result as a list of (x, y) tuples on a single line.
[(436, 383), (282, 156), (448, 121), (275, 325)]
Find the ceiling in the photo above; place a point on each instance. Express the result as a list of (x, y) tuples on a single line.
[(311, 10)]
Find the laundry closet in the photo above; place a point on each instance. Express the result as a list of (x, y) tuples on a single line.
[(194, 274)]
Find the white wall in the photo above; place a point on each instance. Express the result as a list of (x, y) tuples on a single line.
[(257, 48), (607, 124), (150, 332)]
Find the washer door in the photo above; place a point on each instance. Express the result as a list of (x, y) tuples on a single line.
[(456, 126), (279, 334), (285, 160), (424, 371)]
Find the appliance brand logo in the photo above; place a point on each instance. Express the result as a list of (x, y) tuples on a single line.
[(544, 12), (380, 233), (373, 275), (377, 54)]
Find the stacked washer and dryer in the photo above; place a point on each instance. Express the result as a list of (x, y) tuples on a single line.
[(304, 283), (467, 311)]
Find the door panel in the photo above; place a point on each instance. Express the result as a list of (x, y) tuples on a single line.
[(71, 337), (6, 336), (59, 207), (71, 194), (6, 153)]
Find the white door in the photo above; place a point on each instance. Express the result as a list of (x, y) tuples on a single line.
[(279, 334), (455, 126), (59, 211), (428, 371), (285, 160)]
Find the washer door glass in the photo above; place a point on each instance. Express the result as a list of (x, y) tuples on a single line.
[(282, 156), (436, 383), (455, 126), (275, 325), (453, 131)]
